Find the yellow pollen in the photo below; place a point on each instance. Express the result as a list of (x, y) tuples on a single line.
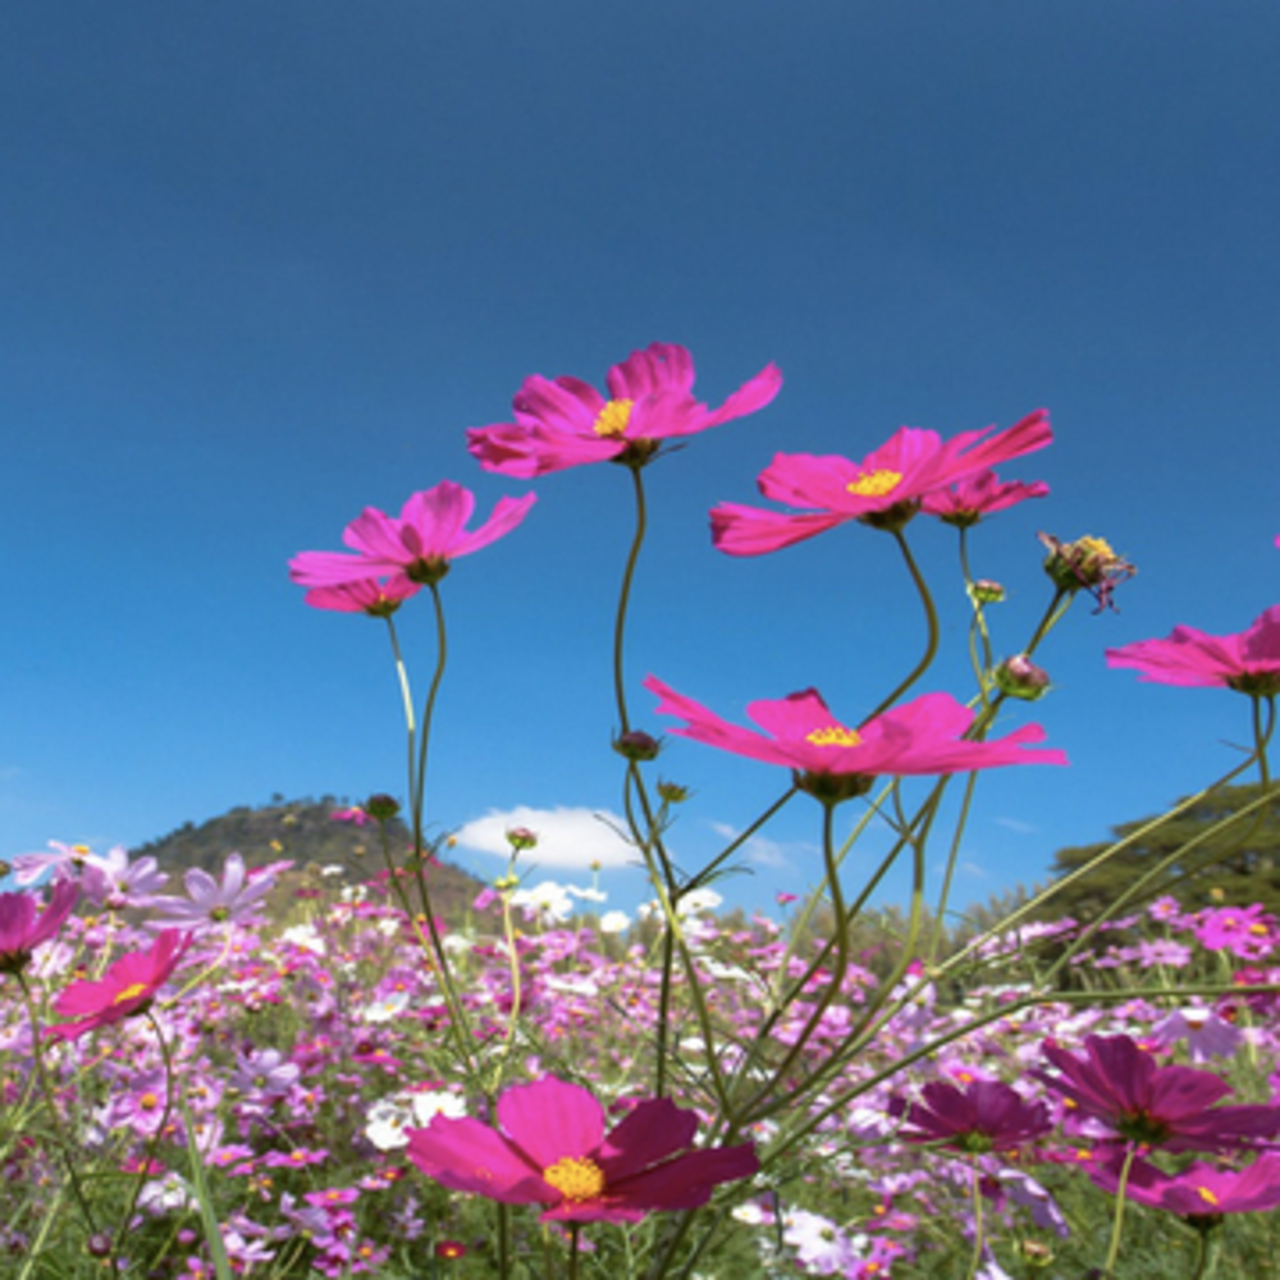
[(613, 418), (833, 736), (80, 848), (576, 1179), (1258, 930), (1207, 1196), (874, 484), (148, 1102), (131, 992)]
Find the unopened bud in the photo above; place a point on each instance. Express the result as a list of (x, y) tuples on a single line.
[(1019, 677), (673, 792), (636, 745), (382, 808), (984, 591), (521, 838)]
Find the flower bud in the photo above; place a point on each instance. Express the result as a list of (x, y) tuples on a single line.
[(521, 838), (673, 792), (382, 808), (1019, 677), (984, 591), (637, 746)]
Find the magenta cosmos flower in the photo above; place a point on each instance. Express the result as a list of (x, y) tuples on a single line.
[(551, 1148), (564, 422), (1171, 1107), (1199, 1191), (833, 761), (986, 1115), (128, 987), (24, 925), (1248, 661), (982, 494), (884, 489), (408, 551)]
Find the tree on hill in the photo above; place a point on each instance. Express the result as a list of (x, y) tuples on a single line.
[(1239, 865)]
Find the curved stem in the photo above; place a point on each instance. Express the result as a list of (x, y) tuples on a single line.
[(931, 619), (977, 1220), (624, 599)]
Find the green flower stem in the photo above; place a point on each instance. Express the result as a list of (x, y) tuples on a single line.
[(50, 1216), (406, 694), (144, 1173), (953, 858), (704, 876), (574, 1228), (51, 1097), (931, 619), (1117, 1227), (624, 599), (977, 1220)]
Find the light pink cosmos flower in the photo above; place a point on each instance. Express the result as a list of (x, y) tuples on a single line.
[(551, 1148), (833, 761), (884, 489), (967, 501), (414, 549), (128, 987), (564, 422), (1248, 661), (235, 900), (23, 927)]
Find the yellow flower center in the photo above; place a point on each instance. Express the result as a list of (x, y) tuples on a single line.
[(1099, 547), (576, 1178), (833, 736), (613, 418), (874, 484), (131, 992), (1207, 1196), (148, 1102)]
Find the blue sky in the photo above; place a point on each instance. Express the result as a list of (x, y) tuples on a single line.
[(262, 265)]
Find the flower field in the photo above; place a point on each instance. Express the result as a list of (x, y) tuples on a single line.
[(293, 1070)]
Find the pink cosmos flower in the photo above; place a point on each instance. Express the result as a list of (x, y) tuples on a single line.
[(1248, 932), (833, 761), (236, 900), (1248, 661), (967, 501), (986, 1115), (885, 489), (22, 930), (365, 595), (565, 422), (1199, 1191), (551, 1148), (1172, 1107), (414, 549), (127, 988)]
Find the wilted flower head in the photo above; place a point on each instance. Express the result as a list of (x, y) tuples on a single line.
[(1087, 562)]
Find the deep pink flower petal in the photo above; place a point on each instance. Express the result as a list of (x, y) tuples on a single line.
[(650, 1132), (465, 1155), (551, 1120), (739, 530), (1192, 658), (687, 1181)]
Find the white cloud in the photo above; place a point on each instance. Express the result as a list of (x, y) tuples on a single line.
[(762, 852), (567, 837), (1016, 824)]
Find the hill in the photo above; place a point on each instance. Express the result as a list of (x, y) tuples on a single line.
[(304, 831)]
